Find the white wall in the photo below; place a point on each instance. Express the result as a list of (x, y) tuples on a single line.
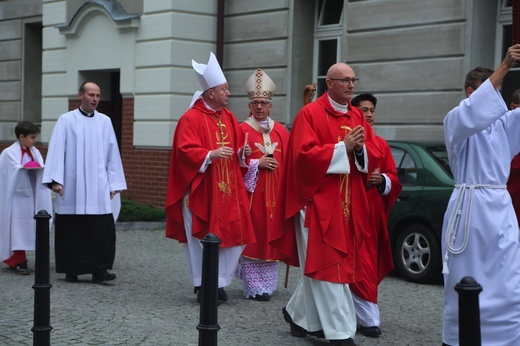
[(171, 34)]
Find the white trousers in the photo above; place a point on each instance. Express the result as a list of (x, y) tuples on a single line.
[(367, 313), (319, 305), (227, 257)]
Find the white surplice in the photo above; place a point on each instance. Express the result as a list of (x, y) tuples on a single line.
[(480, 231), (21, 197), (83, 152)]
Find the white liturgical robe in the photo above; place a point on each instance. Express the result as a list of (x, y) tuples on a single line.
[(84, 157), (480, 231), (21, 196)]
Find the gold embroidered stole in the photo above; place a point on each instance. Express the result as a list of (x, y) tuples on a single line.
[(270, 177), (222, 166), (345, 189)]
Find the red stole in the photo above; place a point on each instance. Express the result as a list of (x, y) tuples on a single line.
[(26, 151)]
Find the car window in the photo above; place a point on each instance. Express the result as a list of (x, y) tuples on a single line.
[(440, 154), (406, 167)]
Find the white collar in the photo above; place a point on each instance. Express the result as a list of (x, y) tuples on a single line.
[(87, 114), (207, 106), (263, 123), (337, 106)]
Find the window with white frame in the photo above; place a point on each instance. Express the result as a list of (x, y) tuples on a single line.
[(328, 39), (503, 41)]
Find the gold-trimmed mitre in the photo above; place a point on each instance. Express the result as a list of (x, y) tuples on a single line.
[(260, 84)]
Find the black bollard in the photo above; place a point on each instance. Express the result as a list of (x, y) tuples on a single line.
[(208, 323), (469, 311), (42, 297)]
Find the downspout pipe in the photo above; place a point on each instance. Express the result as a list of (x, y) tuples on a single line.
[(220, 32)]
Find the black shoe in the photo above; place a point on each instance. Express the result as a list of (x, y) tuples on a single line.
[(296, 330), (346, 342), (71, 278), (21, 269), (103, 276), (222, 295), (371, 332), (318, 334), (264, 297), (198, 292)]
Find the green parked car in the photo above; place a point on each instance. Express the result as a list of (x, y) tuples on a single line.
[(415, 223)]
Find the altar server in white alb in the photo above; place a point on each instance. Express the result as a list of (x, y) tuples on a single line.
[(84, 168), (480, 231), (21, 197)]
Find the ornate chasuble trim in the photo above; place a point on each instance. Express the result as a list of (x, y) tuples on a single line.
[(268, 145), (222, 166), (345, 188), (270, 178)]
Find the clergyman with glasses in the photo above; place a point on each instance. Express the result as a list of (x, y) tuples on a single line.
[(322, 209), (258, 268)]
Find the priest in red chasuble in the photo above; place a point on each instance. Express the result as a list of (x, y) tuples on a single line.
[(206, 193), (382, 190), (268, 139), (322, 214)]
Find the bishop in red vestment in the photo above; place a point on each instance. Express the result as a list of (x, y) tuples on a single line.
[(268, 140), (205, 188), (217, 197)]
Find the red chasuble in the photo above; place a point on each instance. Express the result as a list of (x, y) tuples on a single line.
[(513, 185), (217, 198), (377, 259), (263, 199), (336, 204)]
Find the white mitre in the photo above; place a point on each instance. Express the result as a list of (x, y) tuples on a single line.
[(209, 76), (260, 84)]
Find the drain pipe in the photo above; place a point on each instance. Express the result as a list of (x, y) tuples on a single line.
[(220, 32)]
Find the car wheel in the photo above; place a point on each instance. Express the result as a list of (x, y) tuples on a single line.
[(417, 254)]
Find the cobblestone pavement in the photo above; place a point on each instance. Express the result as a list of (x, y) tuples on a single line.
[(152, 303)]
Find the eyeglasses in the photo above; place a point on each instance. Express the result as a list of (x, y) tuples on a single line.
[(262, 103), (346, 80)]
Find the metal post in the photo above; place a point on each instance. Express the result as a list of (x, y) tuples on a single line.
[(208, 324), (42, 297), (469, 311)]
